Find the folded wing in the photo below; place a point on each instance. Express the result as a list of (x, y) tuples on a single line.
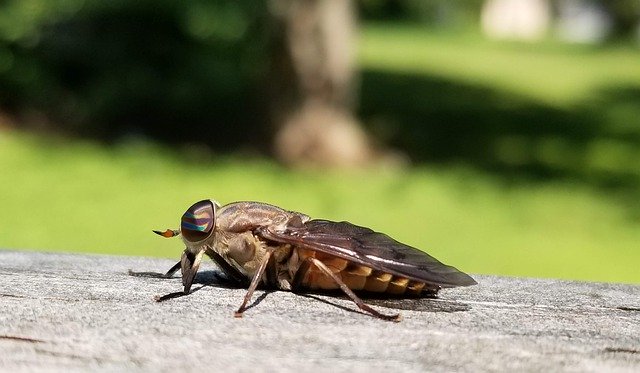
[(367, 247)]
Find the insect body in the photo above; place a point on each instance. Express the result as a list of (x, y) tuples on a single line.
[(256, 243)]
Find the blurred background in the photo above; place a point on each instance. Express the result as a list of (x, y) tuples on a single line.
[(500, 136)]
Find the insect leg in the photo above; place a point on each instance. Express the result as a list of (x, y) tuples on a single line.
[(301, 273), (362, 305), (254, 283), (271, 274), (189, 264), (231, 273), (173, 270)]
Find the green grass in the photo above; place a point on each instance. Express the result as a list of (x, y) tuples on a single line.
[(553, 74), (83, 197), (542, 110)]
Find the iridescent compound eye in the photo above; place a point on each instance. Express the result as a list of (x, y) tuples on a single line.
[(198, 221)]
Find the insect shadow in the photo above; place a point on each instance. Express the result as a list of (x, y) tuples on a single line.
[(422, 303), (204, 278)]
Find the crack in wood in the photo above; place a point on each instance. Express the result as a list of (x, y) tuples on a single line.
[(623, 350), (12, 295), (21, 339)]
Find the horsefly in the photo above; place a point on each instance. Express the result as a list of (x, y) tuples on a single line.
[(256, 244)]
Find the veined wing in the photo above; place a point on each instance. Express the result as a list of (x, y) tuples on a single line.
[(370, 248)]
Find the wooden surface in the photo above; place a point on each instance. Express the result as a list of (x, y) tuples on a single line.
[(85, 312)]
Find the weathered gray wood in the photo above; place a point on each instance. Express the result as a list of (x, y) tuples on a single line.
[(84, 312)]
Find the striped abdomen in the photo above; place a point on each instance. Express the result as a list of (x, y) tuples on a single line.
[(356, 276)]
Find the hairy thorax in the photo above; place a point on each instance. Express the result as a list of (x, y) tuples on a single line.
[(236, 242)]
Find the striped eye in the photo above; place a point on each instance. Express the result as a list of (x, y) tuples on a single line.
[(198, 221)]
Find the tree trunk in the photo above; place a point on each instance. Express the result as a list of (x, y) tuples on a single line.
[(312, 84)]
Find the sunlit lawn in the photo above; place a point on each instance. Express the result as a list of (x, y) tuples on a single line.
[(541, 108), (551, 73), (83, 197)]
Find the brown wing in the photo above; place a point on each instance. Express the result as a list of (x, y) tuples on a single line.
[(370, 248)]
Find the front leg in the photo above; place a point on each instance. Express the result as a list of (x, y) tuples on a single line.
[(173, 270), (230, 271), (254, 282), (189, 264)]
